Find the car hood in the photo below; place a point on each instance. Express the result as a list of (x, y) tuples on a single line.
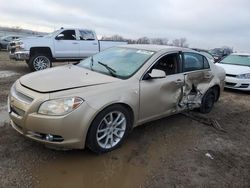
[(64, 78), (234, 69)]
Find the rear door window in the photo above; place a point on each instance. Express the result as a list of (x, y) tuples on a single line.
[(194, 62), (86, 35)]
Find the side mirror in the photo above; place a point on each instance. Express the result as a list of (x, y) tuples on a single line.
[(156, 73), (60, 37)]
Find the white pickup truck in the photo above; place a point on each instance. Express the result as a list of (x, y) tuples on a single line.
[(61, 45)]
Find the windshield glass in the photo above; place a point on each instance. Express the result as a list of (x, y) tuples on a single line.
[(2, 38), (117, 61), (216, 51), (237, 60)]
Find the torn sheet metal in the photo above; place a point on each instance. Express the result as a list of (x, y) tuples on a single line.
[(192, 91)]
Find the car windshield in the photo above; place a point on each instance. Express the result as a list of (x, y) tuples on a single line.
[(237, 60), (117, 61), (216, 51)]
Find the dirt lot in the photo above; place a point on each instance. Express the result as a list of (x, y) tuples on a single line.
[(178, 151)]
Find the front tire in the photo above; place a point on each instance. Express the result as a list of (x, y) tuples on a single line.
[(208, 101), (109, 129), (39, 62)]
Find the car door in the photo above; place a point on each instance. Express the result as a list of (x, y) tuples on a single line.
[(160, 97), (198, 76), (88, 43), (196, 70), (66, 45)]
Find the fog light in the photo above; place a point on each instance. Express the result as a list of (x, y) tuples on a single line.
[(49, 137)]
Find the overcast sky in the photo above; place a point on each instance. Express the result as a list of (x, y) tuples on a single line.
[(205, 23)]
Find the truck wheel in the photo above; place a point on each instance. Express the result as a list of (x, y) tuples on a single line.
[(109, 129), (39, 62)]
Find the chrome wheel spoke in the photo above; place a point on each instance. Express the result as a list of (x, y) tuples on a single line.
[(102, 130), (106, 142), (103, 136), (111, 140), (105, 121), (120, 122), (117, 135), (41, 62), (117, 118), (119, 129), (111, 118)]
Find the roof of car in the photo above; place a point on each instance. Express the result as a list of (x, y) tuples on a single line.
[(241, 53), (155, 48)]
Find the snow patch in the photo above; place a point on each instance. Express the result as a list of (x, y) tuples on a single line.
[(5, 74), (4, 116)]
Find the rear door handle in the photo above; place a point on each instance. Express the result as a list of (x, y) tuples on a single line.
[(179, 82), (75, 43), (207, 75)]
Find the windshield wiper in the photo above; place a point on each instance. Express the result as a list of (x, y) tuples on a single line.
[(111, 71)]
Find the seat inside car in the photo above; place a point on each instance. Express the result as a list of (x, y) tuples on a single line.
[(168, 63)]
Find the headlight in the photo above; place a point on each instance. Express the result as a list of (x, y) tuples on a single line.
[(22, 46), (59, 107), (19, 43), (243, 76)]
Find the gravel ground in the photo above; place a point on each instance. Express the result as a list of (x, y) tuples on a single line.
[(177, 151)]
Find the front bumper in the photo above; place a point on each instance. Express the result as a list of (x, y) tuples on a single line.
[(236, 83), (67, 131), (19, 55)]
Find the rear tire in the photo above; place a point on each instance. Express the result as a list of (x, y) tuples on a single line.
[(39, 62), (208, 101), (109, 129)]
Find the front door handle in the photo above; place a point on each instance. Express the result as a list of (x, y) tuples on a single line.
[(75, 43)]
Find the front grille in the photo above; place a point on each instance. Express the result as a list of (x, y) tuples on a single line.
[(231, 75), (244, 86), (17, 111), (230, 84), (20, 96), (12, 50)]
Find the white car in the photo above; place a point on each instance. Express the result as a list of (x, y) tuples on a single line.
[(237, 67), (61, 45)]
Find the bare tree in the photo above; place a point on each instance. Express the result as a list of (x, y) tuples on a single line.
[(176, 42), (113, 37), (182, 42), (143, 40)]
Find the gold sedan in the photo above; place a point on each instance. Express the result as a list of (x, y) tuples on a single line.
[(98, 101)]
